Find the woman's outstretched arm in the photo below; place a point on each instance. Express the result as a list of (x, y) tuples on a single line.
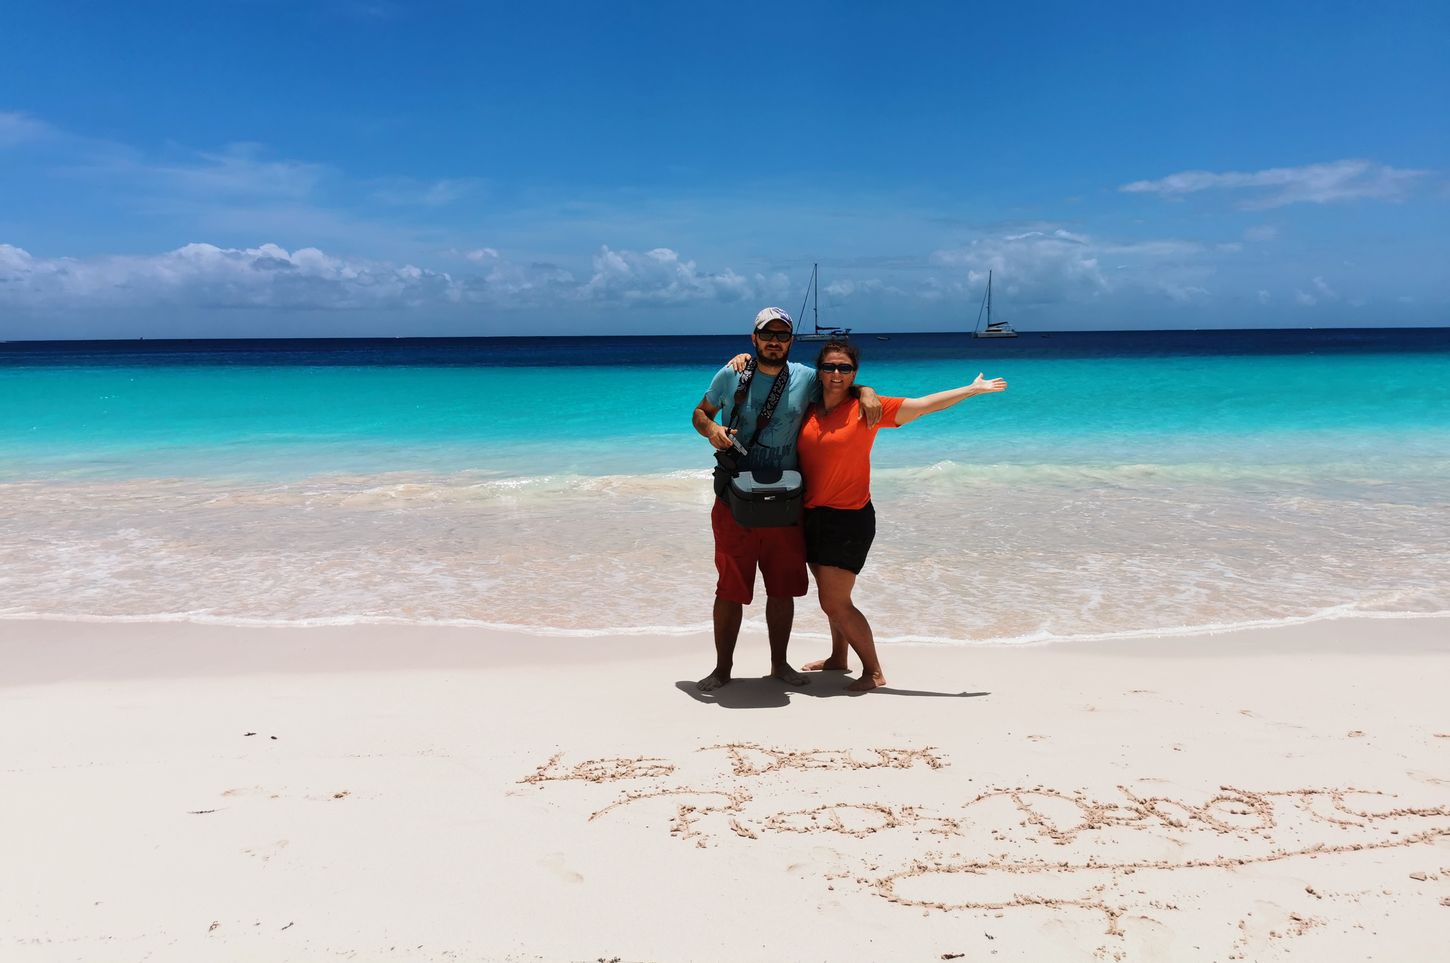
[(913, 408)]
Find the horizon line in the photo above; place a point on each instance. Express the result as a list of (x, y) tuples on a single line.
[(721, 334)]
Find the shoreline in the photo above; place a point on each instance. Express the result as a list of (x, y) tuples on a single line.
[(1190, 633), (187, 792), (37, 652)]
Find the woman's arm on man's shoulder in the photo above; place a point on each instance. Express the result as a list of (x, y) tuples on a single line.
[(913, 408)]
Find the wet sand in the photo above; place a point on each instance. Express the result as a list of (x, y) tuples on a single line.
[(186, 792)]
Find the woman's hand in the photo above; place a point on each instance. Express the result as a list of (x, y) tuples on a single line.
[(985, 386), (737, 363), (870, 406), (913, 408)]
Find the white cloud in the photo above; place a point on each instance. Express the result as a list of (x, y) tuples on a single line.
[(508, 284), (845, 288), (618, 278), (269, 276), (504, 282), (1260, 233), (1182, 293), (1264, 296), (1304, 299), (1056, 265), (1341, 180), (1036, 266), (206, 276), (660, 277), (17, 128), (1325, 291)]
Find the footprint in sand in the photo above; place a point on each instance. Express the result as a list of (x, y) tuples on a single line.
[(554, 862), (1251, 714), (265, 853)]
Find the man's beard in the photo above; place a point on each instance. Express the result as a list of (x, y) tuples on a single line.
[(760, 356)]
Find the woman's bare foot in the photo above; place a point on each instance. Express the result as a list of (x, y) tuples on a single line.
[(823, 664), (867, 682)]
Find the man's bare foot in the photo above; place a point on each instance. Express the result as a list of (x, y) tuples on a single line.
[(867, 682), (788, 675), (713, 681), (823, 664)]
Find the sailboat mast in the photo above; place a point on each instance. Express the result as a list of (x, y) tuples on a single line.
[(989, 300), (816, 300)]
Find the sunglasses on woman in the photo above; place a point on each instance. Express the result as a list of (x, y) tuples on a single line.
[(831, 366)]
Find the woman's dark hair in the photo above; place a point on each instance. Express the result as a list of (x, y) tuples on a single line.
[(845, 347)]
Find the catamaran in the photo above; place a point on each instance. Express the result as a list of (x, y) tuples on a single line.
[(994, 329), (813, 297)]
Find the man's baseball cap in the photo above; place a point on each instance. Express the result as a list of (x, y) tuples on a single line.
[(767, 315)]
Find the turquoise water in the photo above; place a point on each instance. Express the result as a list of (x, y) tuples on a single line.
[(269, 422), (1155, 484)]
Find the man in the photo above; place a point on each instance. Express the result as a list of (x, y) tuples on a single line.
[(779, 553)]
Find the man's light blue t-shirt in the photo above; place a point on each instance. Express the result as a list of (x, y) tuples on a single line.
[(775, 449)]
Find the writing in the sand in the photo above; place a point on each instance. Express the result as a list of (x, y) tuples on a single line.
[(733, 792), (746, 759)]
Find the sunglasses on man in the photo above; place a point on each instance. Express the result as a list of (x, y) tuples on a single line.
[(768, 335)]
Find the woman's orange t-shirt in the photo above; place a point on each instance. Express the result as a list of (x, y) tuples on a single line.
[(835, 453)]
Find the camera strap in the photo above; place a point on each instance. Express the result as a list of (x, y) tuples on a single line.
[(762, 420)]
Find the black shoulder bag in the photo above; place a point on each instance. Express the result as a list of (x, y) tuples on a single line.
[(761, 498)]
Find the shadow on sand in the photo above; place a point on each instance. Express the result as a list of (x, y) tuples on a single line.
[(768, 693)]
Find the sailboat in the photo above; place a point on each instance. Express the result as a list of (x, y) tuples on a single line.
[(994, 329), (813, 295)]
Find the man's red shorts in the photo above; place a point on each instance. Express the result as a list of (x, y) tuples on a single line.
[(779, 552)]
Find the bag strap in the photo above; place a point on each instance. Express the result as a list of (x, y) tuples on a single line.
[(742, 389), (762, 420)]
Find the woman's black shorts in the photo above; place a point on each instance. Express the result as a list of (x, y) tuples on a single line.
[(840, 536)]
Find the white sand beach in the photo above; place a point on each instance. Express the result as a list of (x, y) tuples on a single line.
[(177, 792)]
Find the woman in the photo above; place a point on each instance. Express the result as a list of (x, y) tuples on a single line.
[(840, 522)]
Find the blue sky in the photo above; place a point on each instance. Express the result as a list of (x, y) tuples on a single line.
[(341, 168)]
